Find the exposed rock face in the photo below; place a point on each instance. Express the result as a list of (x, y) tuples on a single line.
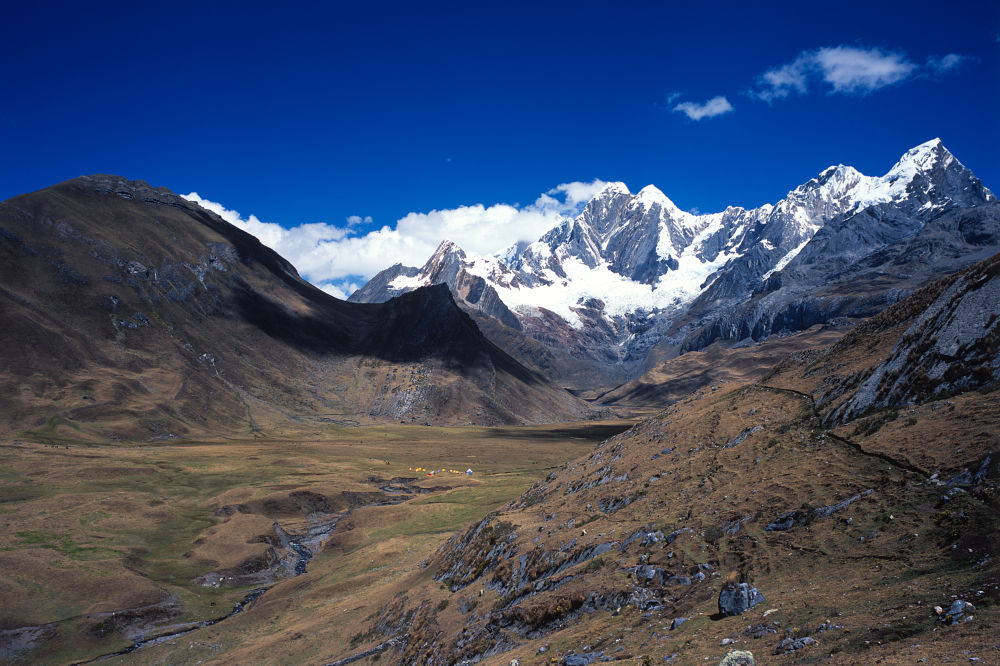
[(634, 279), (952, 346), (853, 267), (446, 266), (736, 600), (792, 644)]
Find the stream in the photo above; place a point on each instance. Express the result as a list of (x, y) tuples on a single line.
[(302, 545)]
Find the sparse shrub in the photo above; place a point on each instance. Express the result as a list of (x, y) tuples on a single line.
[(442, 604), (713, 533), (874, 423), (363, 637)]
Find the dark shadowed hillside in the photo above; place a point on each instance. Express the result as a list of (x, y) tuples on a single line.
[(131, 313)]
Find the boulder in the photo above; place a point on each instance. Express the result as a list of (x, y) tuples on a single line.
[(734, 600), (738, 658), (793, 644), (958, 612)]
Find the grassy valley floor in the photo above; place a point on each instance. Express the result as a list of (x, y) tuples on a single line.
[(105, 544)]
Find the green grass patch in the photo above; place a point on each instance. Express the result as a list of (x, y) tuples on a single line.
[(64, 544), (23, 493), (485, 495)]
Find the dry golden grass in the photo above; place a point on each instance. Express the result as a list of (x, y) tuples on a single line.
[(92, 528), (875, 569)]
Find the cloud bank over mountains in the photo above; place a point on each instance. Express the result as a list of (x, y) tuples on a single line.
[(338, 259)]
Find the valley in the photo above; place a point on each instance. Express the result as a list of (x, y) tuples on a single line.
[(790, 444), (104, 545), (500, 334)]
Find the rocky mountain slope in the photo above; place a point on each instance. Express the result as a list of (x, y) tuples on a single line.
[(634, 280), (843, 508), (131, 313)]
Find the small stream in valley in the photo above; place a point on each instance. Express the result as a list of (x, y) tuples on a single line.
[(304, 546)]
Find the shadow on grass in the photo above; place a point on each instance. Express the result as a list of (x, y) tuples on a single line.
[(585, 431)]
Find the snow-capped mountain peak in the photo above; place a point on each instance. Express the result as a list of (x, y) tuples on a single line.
[(613, 188), (447, 247), (651, 194), (671, 256), (627, 258), (928, 177), (925, 156)]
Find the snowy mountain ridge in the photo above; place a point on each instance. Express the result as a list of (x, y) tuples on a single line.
[(624, 274), (641, 253)]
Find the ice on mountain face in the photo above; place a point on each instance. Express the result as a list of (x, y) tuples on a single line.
[(404, 283), (785, 260), (563, 294), (510, 254), (650, 195)]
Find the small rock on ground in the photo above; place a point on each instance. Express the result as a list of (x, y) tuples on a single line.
[(793, 644), (738, 658)]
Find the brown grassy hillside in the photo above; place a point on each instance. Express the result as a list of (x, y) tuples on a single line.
[(853, 531), (130, 313)]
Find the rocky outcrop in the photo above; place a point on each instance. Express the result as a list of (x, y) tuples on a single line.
[(737, 599), (951, 346), (738, 658)]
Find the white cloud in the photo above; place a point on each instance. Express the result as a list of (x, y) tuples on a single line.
[(945, 63), (844, 69), (341, 289), (709, 109), (783, 81), (567, 199), (355, 220), (336, 258), (852, 70)]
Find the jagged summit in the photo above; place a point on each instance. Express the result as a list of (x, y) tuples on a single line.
[(615, 187), (651, 194), (627, 270), (926, 153), (446, 246)]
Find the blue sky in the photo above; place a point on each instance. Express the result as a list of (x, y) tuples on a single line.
[(368, 112)]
